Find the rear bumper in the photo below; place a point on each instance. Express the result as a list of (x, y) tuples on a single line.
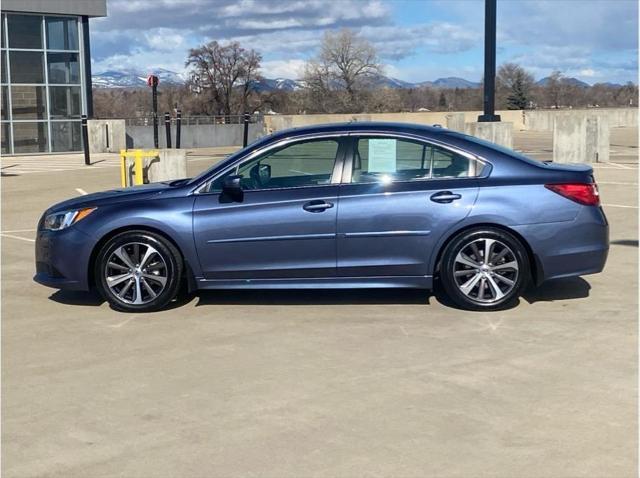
[(62, 259), (568, 249)]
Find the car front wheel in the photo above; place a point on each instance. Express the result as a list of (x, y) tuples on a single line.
[(484, 269), (138, 271)]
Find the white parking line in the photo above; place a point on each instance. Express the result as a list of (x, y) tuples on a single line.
[(617, 182), (82, 191), (620, 205), (18, 230), (17, 237)]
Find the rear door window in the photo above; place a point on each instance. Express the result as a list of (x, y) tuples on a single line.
[(387, 159)]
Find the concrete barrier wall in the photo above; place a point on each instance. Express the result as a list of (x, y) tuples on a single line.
[(279, 122), (194, 136), (543, 120), (540, 120), (106, 136)]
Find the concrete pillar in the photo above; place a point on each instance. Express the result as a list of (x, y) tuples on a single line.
[(597, 139), (170, 164), (455, 121), (497, 132), (569, 139)]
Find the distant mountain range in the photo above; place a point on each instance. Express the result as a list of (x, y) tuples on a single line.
[(137, 79)]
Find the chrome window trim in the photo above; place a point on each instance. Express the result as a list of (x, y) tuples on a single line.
[(265, 149)]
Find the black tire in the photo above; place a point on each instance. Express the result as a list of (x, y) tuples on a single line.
[(457, 276), (164, 280)]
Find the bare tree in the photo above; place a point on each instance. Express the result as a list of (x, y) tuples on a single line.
[(345, 62), (223, 72), (554, 89)]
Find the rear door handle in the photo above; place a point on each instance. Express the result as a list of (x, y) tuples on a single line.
[(445, 197), (317, 206)]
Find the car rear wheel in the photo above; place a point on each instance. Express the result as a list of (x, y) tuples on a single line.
[(138, 271), (484, 269)]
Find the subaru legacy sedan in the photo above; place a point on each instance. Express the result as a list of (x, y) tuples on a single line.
[(358, 205)]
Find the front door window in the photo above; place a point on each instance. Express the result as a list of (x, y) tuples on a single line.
[(308, 163)]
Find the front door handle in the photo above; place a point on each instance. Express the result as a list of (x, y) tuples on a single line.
[(445, 197), (317, 206)]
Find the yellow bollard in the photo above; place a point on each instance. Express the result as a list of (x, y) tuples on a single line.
[(138, 156), (123, 168), (138, 168)]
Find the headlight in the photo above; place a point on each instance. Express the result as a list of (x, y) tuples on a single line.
[(61, 220)]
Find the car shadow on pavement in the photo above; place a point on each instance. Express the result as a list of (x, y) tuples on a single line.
[(73, 297), (313, 297), (625, 242), (558, 289)]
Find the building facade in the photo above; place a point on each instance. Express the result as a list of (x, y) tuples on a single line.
[(46, 74)]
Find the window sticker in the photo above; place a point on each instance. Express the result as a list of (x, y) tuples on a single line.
[(382, 156)]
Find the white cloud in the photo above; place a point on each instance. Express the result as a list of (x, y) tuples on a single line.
[(292, 69)]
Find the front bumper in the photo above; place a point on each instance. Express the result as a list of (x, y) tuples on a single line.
[(62, 259)]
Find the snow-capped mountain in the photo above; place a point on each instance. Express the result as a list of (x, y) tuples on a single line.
[(567, 81), (138, 79), (135, 79)]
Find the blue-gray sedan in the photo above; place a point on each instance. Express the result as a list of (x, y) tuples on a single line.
[(335, 206)]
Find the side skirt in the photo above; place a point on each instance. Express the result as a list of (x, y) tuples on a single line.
[(409, 282)]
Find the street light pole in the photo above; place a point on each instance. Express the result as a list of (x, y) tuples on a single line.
[(489, 62)]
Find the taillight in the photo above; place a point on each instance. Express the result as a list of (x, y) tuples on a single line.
[(582, 193)]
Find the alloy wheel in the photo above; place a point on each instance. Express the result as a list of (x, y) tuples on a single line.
[(136, 273), (486, 270)]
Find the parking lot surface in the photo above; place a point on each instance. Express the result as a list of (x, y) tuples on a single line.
[(326, 383)]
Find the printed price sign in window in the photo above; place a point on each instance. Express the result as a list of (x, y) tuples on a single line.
[(382, 156)]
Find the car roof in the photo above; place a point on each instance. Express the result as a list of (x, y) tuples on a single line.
[(358, 126)]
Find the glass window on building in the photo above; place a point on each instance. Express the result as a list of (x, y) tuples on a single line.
[(65, 136), (62, 33), (64, 68), (42, 86), (65, 102), (28, 102), (5, 138), (26, 66), (25, 31), (4, 67), (30, 137), (5, 103)]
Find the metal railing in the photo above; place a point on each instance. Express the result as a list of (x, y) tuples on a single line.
[(194, 120)]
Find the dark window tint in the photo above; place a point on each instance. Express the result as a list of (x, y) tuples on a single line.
[(447, 164), (28, 102), (25, 31), (65, 136), (30, 137), (64, 68), (301, 164), (62, 33), (64, 101), (26, 66)]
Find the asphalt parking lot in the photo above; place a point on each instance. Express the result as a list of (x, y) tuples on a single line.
[(327, 383)]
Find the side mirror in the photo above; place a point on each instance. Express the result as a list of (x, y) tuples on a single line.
[(232, 188)]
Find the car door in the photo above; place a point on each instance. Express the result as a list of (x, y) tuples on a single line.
[(285, 225), (398, 197)]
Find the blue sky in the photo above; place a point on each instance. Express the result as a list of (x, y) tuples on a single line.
[(417, 40)]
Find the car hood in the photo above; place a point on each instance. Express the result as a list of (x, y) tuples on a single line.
[(113, 196)]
